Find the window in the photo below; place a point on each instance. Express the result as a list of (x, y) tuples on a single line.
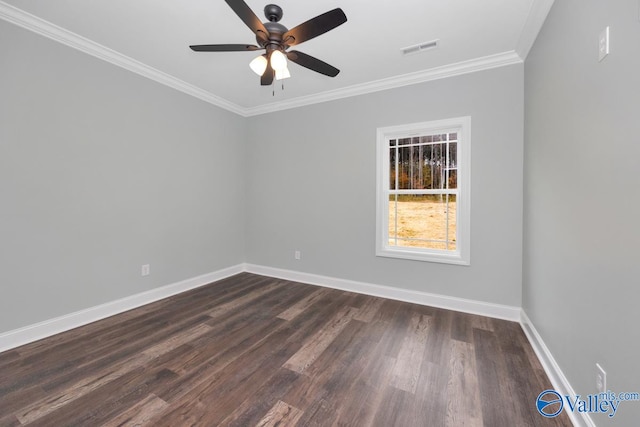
[(423, 191)]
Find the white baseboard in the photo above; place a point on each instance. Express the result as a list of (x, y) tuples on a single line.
[(556, 376), (423, 298), (27, 334)]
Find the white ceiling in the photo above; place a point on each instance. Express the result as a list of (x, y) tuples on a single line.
[(472, 35)]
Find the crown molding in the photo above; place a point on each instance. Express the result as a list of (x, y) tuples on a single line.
[(537, 15), (47, 29), (459, 68)]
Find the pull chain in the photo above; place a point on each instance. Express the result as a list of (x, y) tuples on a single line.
[(273, 89)]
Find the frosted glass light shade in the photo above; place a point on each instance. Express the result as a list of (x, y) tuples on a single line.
[(259, 65), (282, 74), (278, 61)]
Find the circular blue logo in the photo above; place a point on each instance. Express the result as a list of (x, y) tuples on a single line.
[(549, 403)]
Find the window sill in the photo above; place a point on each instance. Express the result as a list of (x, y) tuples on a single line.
[(422, 255)]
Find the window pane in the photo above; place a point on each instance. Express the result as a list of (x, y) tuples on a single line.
[(404, 167), (422, 166), (423, 221), (432, 165), (452, 215), (453, 179), (452, 166), (393, 234), (421, 170), (392, 168), (453, 155)]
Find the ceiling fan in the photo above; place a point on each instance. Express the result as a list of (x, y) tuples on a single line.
[(275, 39)]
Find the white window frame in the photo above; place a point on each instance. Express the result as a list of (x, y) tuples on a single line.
[(461, 255)]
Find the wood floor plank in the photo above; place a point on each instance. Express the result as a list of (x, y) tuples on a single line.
[(392, 321), (253, 350), (482, 322), (115, 397), (313, 319), (462, 327), (358, 371), (19, 398), (431, 401), (251, 410), (463, 393), (282, 414), (392, 408), (65, 361), (303, 304), (9, 420), (437, 342), (369, 387), (119, 353), (223, 390), (228, 377), (93, 382), (77, 409), (8, 358), (332, 375), (123, 322), (369, 309), (236, 303), (409, 360), (312, 349), (238, 327), (139, 415), (495, 397)]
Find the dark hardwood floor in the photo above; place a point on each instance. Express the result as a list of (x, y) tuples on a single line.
[(256, 351)]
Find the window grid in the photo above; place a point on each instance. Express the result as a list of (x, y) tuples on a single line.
[(433, 140)]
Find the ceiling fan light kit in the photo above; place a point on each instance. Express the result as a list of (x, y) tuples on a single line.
[(259, 65), (278, 60), (283, 74), (276, 39)]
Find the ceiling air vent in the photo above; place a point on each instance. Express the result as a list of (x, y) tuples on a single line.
[(420, 47)]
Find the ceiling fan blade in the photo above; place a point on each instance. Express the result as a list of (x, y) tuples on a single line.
[(312, 63), (224, 47), (267, 76), (245, 13), (314, 27)]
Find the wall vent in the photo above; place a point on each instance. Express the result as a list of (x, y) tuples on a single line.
[(420, 47)]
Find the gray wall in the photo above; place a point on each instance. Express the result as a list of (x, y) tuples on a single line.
[(313, 182), (102, 171), (582, 159)]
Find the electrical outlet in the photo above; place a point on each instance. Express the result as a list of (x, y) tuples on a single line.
[(601, 379), (297, 255), (146, 270)]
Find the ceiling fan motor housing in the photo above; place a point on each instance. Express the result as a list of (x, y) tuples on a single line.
[(276, 31), (273, 13)]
